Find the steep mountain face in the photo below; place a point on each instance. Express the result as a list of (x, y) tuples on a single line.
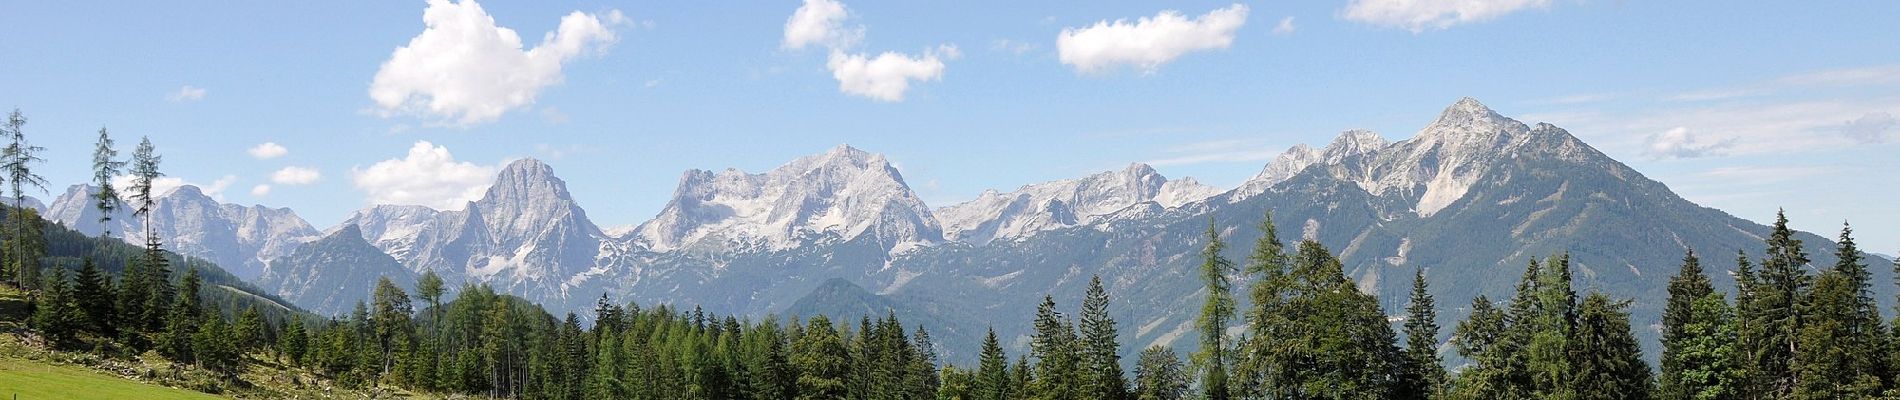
[(1286, 165), (525, 236), (242, 239), (331, 274), (841, 195), (1056, 204)]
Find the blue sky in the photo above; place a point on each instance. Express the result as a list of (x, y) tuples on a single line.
[(1743, 106)]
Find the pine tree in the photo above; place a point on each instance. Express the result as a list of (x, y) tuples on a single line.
[(1212, 358), (1775, 311), (924, 378), (214, 348), (1424, 374), (1159, 375), (1549, 328), (26, 245), (1101, 359), (56, 316), (93, 290), (391, 321), (1340, 344), (1483, 338), (1606, 361), (105, 167), (992, 373), (1268, 323), (1748, 335)]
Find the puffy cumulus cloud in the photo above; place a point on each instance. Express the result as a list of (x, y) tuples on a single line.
[(887, 76), (1869, 129), (260, 190), (267, 150), (427, 176), (1680, 142), (295, 175), (186, 93), (1149, 42), (463, 69), (820, 22), (1420, 15), (884, 77)]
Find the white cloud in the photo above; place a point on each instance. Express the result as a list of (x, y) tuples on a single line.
[(887, 76), (1420, 15), (884, 77), (267, 150), (186, 93), (1149, 42), (1869, 129), (260, 190), (820, 22), (1285, 27), (294, 175), (1679, 142), (427, 176), (464, 70)]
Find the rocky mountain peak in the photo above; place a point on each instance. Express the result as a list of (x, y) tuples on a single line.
[(844, 191)]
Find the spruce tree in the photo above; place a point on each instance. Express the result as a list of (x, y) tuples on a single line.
[(1424, 374), (1748, 335), (182, 320), (992, 373), (1212, 359), (1776, 318), (1841, 338), (93, 290), (214, 348), (820, 356), (1159, 375), (55, 315), (294, 342), (1101, 359), (1053, 347), (1606, 361), (248, 334), (1686, 289)]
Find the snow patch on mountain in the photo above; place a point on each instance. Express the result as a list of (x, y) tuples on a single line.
[(1062, 203), (844, 192)]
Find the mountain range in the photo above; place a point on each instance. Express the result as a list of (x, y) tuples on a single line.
[(1470, 198)]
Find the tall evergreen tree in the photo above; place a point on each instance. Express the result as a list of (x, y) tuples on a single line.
[(1159, 375), (1679, 327), (1101, 359), (155, 283), (391, 321), (28, 244), (15, 125), (248, 334), (821, 357), (1748, 335), (1775, 311), (1212, 359), (1054, 348), (105, 166), (182, 320), (1268, 323), (992, 373), (1424, 373), (56, 315), (294, 342), (1606, 361), (1842, 341), (93, 290)]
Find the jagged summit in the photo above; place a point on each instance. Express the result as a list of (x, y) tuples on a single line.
[(1348, 144), (845, 192), (1055, 204)]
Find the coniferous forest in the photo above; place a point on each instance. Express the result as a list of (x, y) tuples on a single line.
[(1789, 329)]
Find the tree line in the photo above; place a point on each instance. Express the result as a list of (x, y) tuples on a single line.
[(1306, 331)]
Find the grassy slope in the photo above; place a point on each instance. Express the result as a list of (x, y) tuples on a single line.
[(32, 379)]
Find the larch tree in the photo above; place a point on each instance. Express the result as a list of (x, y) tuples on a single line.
[(1217, 310), (105, 166)]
